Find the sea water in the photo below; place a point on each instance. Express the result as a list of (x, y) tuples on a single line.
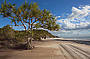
[(78, 38)]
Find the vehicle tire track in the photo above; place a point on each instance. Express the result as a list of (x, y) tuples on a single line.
[(65, 53), (81, 49), (72, 52), (68, 52), (86, 56), (75, 53)]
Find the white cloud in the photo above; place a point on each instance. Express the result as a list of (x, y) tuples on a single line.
[(77, 19), (80, 12), (58, 17)]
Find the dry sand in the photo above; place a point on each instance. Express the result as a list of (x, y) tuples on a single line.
[(50, 49)]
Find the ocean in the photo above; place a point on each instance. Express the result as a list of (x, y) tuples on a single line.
[(78, 38)]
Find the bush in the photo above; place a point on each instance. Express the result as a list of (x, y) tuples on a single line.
[(10, 38), (7, 33)]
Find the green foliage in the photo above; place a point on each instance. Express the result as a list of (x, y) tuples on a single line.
[(10, 38), (7, 32), (6, 9), (29, 14), (38, 34)]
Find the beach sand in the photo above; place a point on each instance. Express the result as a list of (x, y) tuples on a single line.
[(50, 49)]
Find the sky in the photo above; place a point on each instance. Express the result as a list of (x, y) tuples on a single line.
[(72, 15)]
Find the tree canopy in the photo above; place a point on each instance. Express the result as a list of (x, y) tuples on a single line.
[(29, 16)]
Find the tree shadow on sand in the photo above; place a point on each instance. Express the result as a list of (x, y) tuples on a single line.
[(4, 57)]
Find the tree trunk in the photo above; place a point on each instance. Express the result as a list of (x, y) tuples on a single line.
[(29, 41), (29, 45)]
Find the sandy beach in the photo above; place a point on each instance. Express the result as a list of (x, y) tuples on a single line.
[(50, 49)]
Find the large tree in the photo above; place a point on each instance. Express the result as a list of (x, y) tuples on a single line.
[(30, 17)]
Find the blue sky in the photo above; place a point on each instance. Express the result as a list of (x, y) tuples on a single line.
[(72, 15)]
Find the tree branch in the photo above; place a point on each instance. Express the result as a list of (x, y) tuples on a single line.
[(34, 21), (23, 24)]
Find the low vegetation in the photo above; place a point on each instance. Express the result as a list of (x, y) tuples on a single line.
[(10, 38)]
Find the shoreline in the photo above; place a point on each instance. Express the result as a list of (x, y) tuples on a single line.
[(73, 39)]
